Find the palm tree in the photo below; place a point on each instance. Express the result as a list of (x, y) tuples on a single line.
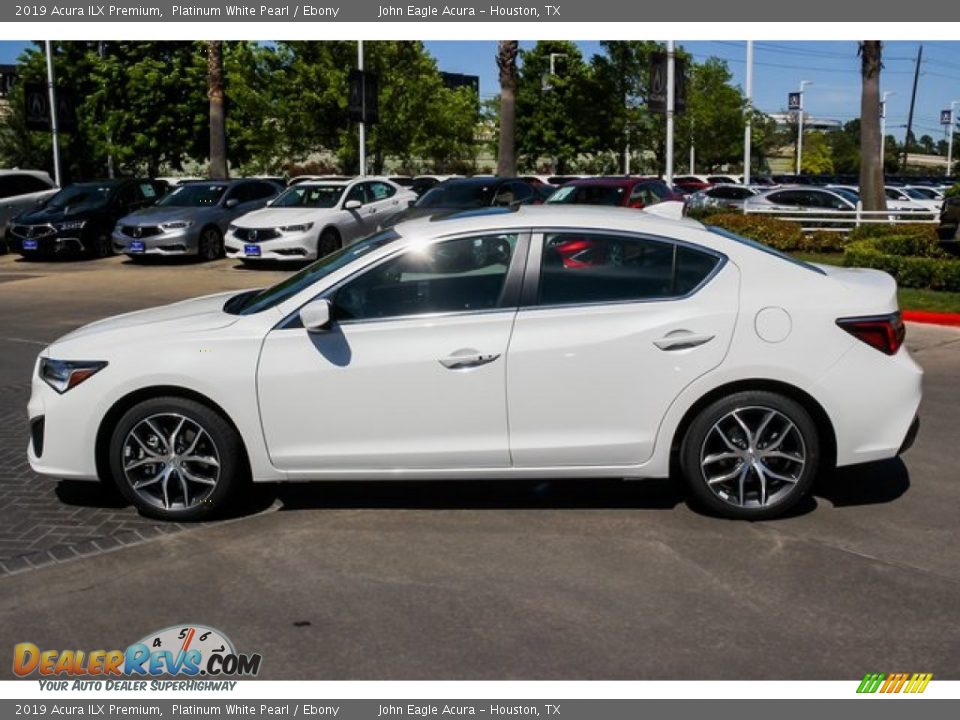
[(871, 163), (507, 51), (218, 118)]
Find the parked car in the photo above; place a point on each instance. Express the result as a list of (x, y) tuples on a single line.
[(793, 198), (192, 219), (21, 190), (730, 197), (622, 191), (749, 370), (313, 219), (79, 218), (471, 193), (691, 183), (912, 196), (894, 199), (949, 228)]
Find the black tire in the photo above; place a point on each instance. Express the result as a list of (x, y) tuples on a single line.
[(704, 439), (210, 244), (329, 242), (232, 472)]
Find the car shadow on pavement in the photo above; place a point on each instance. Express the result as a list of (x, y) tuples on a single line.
[(481, 494), (261, 265), (870, 484)]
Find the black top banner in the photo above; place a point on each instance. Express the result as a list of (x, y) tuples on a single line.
[(327, 11)]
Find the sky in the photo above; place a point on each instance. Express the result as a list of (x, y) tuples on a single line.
[(778, 69)]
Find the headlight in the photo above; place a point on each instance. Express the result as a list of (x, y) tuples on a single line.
[(303, 227), (71, 225), (62, 375), (176, 224)]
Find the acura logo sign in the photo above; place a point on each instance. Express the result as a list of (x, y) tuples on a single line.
[(138, 232)]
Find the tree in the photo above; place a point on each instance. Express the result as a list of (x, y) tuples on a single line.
[(507, 51), (714, 117), (817, 156), (845, 147), (216, 92), (871, 164)]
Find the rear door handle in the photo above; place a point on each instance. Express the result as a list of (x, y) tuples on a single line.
[(682, 340), (467, 359)]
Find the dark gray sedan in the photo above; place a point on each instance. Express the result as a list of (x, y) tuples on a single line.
[(192, 219)]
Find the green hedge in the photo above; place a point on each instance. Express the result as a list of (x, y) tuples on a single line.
[(952, 191), (915, 260)]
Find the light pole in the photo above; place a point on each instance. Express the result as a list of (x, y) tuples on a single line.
[(547, 84), (747, 139), (950, 127), (883, 127), (54, 119), (363, 111), (670, 108), (803, 84)]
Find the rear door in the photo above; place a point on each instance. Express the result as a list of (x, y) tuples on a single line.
[(612, 328)]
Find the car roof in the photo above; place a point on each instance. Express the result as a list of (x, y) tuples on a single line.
[(611, 181), (593, 217)]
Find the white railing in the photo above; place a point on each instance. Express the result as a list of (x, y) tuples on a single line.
[(844, 220)]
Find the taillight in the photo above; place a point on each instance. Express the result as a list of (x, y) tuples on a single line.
[(883, 332)]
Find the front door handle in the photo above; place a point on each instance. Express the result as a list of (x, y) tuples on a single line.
[(682, 340), (467, 359)]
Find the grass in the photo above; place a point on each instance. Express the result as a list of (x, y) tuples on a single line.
[(909, 298)]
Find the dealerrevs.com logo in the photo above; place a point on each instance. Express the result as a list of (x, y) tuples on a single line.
[(894, 683), (189, 650)]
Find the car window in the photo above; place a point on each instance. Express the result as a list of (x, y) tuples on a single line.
[(13, 185), (522, 192), (262, 190), (249, 192), (581, 268), (459, 275), (787, 197), (317, 196), (380, 190), (589, 195), (506, 196), (358, 193)]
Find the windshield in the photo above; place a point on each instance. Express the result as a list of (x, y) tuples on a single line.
[(195, 195), (919, 194), (250, 303), (457, 195), (588, 195), (847, 194), (82, 195), (311, 196)]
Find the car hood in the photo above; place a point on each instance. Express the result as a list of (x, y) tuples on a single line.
[(279, 217), (198, 314), (44, 215), (157, 215)]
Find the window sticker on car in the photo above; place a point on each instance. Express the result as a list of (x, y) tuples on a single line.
[(148, 190), (561, 193)]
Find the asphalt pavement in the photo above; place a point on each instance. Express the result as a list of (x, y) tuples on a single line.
[(471, 580)]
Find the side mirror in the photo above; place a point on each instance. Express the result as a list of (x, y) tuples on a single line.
[(231, 203), (352, 205), (315, 316)]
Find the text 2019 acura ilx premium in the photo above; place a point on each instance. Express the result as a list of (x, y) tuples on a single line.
[(541, 342)]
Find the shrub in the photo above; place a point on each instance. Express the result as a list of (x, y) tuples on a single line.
[(953, 191), (779, 234), (882, 230), (914, 260), (823, 241)]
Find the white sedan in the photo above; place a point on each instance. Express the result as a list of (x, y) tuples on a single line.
[(312, 219), (544, 342)]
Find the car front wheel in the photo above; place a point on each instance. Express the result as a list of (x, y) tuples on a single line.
[(176, 459), (751, 455)]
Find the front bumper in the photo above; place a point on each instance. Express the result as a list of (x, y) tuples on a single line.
[(62, 437), (182, 241), (66, 241), (291, 247)]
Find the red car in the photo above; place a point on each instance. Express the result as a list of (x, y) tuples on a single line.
[(635, 192)]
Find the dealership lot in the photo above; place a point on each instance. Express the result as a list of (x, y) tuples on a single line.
[(480, 580)]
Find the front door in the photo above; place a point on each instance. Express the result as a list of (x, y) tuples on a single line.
[(411, 374), (618, 326)]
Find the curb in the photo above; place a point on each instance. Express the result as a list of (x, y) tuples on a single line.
[(932, 318)]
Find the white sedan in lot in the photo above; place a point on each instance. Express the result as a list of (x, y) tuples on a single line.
[(312, 219), (544, 342)]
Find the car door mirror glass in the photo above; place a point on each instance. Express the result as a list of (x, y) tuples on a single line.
[(315, 315), (231, 203)]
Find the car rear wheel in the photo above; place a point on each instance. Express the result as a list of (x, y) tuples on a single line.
[(210, 244), (752, 455), (329, 242), (176, 459)]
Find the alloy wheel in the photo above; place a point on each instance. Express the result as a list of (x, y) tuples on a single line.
[(753, 457), (170, 461)]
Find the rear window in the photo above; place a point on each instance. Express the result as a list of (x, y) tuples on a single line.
[(765, 248)]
